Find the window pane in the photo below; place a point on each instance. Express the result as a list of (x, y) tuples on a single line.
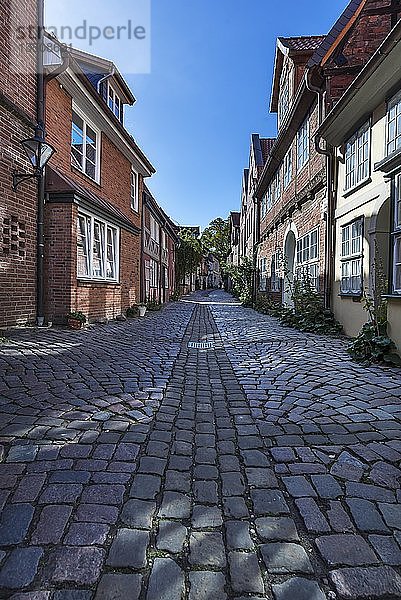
[(83, 236), (98, 250), (111, 254), (397, 204), (397, 264), (77, 140)]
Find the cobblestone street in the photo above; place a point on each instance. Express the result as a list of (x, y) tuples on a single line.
[(134, 467)]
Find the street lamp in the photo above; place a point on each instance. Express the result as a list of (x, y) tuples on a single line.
[(39, 152)]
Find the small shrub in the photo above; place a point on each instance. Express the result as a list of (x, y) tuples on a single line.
[(369, 346), (77, 315)]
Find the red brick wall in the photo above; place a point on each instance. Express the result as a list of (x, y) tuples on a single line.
[(305, 217), (96, 300), (17, 209), (363, 39), (300, 180)]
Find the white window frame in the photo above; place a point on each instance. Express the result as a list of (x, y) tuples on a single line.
[(284, 99), (263, 206), (393, 142), (134, 191), (154, 274), (86, 123), (114, 99), (358, 157), (287, 169), (269, 197), (352, 258), (154, 229), (263, 274), (396, 235), (275, 272), (277, 186), (303, 144), (91, 220), (307, 255)]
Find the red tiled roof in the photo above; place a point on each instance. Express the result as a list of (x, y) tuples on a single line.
[(308, 43), (266, 145)]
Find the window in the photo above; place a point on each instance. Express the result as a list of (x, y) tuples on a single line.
[(263, 206), (307, 258), (154, 272), (284, 99), (269, 197), (114, 102), (97, 249), (303, 144), (134, 191), (263, 274), (351, 258), (357, 157), (84, 147), (275, 273), (287, 168), (396, 234), (394, 124), (276, 187), (154, 229)]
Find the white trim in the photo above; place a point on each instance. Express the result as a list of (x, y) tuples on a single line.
[(88, 122), (75, 88), (395, 100), (109, 225), (357, 143)]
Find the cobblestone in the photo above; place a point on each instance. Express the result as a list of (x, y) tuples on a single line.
[(134, 467)]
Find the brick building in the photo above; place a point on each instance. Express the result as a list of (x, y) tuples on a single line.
[(18, 209), (258, 154), (159, 242), (94, 193), (364, 128), (295, 189)]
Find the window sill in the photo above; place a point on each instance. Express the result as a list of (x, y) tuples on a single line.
[(84, 281), (390, 163), (357, 187), (392, 296), (355, 297), (136, 212), (88, 177)]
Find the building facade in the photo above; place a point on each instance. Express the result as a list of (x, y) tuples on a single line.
[(159, 242), (94, 191), (18, 208), (364, 128), (296, 213), (258, 154)]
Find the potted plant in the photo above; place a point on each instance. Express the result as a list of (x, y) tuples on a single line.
[(76, 319)]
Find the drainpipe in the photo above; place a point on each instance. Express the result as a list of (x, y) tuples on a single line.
[(329, 230), (41, 81), (40, 117)]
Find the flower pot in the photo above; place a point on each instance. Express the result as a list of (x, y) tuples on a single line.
[(142, 311), (74, 323)]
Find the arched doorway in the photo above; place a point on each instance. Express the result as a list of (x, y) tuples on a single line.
[(289, 268)]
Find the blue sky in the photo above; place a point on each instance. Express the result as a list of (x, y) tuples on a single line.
[(208, 89)]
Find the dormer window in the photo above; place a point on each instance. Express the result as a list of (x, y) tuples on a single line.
[(114, 102)]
